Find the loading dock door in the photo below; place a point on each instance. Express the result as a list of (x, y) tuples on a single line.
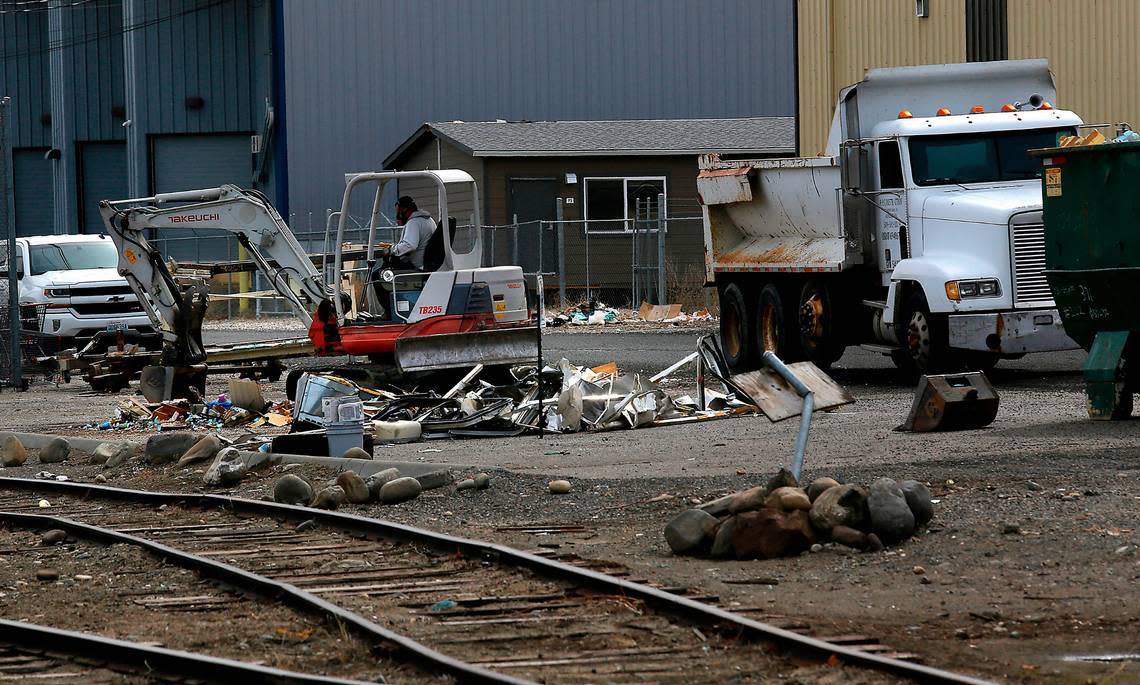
[(32, 187), (102, 176), (193, 162)]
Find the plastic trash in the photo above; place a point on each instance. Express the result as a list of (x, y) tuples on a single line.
[(1128, 136), (444, 605), (105, 426)]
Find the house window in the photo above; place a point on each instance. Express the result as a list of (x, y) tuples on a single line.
[(612, 201)]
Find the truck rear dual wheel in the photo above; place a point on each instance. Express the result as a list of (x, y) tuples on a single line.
[(816, 325), (773, 330), (735, 328)]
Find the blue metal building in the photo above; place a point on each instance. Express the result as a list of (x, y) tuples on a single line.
[(116, 98)]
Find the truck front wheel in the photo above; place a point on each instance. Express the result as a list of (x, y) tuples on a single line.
[(924, 338), (735, 326)]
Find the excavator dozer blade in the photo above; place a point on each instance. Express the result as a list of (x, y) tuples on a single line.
[(956, 401), (458, 350)]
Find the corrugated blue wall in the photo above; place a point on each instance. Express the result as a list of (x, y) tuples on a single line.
[(24, 73), (94, 56), (94, 66), (363, 74)]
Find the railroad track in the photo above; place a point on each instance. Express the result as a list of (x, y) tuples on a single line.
[(428, 604)]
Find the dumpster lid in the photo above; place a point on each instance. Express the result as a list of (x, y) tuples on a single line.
[(1083, 149)]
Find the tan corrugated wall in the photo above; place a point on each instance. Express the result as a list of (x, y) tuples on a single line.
[(1093, 48), (841, 39)]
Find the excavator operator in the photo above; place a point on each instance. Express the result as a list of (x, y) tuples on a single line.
[(408, 254)]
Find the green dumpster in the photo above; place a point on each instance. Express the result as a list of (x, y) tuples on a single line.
[(1091, 197)]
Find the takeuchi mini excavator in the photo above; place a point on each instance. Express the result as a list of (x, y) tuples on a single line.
[(453, 314)]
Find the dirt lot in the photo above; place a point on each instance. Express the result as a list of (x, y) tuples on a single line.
[(1031, 558)]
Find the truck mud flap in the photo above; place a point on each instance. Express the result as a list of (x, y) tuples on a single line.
[(954, 401), (458, 350)]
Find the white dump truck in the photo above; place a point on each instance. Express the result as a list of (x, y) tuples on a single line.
[(918, 233)]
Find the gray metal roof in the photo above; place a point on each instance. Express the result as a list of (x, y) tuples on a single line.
[(754, 135)]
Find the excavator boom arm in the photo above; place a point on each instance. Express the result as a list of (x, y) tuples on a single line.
[(244, 213)]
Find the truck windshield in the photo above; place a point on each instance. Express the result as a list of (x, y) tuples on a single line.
[(100, 255), (978, 158)]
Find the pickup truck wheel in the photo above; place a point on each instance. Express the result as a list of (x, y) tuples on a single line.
[(735, 326), (815, 325), (924, 338), (773, 326)]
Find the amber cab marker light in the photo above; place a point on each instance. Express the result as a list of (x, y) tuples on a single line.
[(1046, 105), (905, 114), (1008, 108), (943, 112), (977, 109)]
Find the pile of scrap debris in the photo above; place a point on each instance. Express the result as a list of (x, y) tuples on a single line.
[(331, 413), (243, 405), (595, 313)]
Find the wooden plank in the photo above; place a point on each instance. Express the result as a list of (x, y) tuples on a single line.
[(779, 401)]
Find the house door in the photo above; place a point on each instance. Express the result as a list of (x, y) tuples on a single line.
[(534, 200)]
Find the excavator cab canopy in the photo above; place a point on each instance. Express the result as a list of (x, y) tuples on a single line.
[(456, 180)]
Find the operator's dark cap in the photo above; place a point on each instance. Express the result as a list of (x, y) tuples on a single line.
[(407, 202)]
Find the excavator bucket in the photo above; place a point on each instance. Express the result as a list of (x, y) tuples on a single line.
[(458, 350), (950, 402)]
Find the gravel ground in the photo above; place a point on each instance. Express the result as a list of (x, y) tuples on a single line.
[(1010, 606)]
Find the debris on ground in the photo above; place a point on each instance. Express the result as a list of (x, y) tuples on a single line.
[(783, 519), (948, 402), (595, 313), (347, 415)]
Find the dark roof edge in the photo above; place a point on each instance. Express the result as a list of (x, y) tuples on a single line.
[(632, 153), (422, 135)]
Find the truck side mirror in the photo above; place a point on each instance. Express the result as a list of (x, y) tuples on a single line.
[(851, 157)]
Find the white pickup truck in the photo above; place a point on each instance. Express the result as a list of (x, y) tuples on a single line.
[(917, 234), (70, 287)]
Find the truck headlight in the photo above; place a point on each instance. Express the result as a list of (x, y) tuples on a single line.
[(57, 292), (962, 290)]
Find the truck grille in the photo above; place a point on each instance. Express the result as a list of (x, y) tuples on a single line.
[(101, 291), (106, 308), (1028, 241)]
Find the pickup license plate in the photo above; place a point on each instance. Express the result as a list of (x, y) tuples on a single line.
[(116, 327)]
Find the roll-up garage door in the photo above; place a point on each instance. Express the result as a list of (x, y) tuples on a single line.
[(102, 176), (32, 187), (193, 162)]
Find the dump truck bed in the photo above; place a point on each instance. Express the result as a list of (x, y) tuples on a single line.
[(771, 215)]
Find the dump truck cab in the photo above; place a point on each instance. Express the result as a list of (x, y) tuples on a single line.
[(958, 219)]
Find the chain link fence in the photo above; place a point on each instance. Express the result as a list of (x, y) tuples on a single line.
[(621, 263), (652, 259)]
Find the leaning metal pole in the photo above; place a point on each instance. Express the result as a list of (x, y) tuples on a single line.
[(802, 390), (9, 232)]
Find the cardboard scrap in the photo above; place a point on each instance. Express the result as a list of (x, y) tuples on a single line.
[(658, 312)]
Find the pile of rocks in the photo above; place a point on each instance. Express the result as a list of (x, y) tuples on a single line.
[(13, 453), (782, 519), (386, 487)]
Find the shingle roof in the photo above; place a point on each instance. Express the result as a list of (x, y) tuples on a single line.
[(754, 135)]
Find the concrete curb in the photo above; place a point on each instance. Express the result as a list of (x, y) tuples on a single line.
[(430, 475)]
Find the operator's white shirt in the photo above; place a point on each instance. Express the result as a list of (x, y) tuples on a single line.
[(414, 241)]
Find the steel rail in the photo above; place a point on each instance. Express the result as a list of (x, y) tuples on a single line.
[(147, 659), (800, 645), (280, 591)]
